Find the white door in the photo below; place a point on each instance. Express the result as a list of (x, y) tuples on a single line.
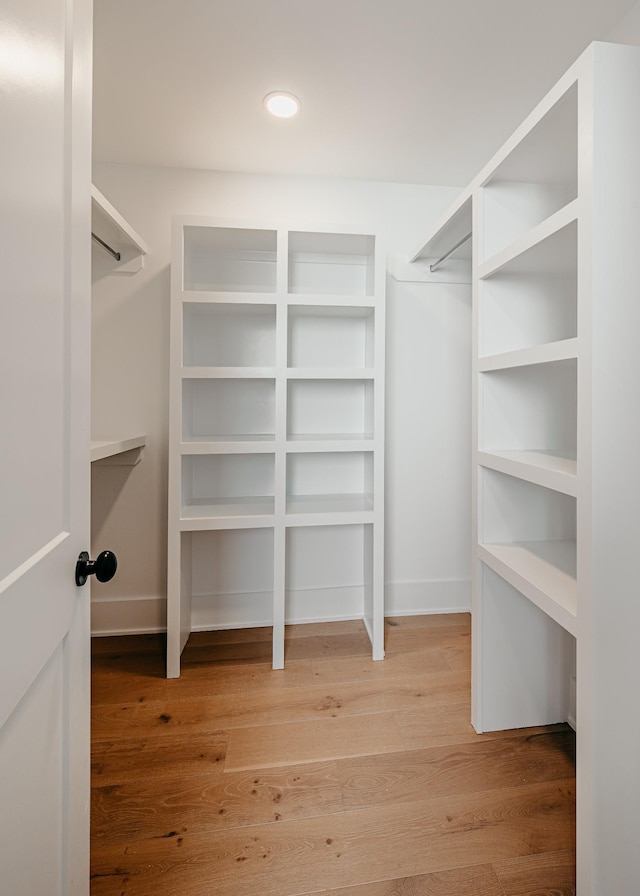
[(45, 148)]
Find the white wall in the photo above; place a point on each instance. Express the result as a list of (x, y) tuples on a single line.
[(428, 376), (627, 31)]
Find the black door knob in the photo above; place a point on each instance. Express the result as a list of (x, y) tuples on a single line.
[(103, 567)]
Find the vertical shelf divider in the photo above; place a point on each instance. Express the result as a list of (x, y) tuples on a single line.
[(280, 533)]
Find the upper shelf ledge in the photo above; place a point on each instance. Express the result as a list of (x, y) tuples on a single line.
[(451, 229), (120, 452), (451, 232), (108, 225)]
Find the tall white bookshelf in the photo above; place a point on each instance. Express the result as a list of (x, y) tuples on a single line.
[(276, 466), (555, 218)]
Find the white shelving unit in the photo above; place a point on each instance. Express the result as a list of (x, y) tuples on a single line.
[(555, 218), (276, 472)]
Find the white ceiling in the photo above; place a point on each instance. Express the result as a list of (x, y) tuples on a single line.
[(410, 91)]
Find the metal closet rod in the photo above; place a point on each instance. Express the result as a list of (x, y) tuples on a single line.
[(436, 264), (105, 246)]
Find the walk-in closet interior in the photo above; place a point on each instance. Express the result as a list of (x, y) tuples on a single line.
[(380, 359)]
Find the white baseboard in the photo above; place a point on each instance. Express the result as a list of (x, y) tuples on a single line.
[(144, 615), (422, 598), (128, 616), (210, 612)]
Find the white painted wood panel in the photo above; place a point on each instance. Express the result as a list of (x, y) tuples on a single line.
[(45, 83)]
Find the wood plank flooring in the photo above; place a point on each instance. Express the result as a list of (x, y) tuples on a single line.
[(335, 776)]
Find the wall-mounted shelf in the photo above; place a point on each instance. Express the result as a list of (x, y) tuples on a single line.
[(449, 239), (115, 235), (117, 452)]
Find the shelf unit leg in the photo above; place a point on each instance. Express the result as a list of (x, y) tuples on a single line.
[(374, 590), (279, 566), (178, 602)]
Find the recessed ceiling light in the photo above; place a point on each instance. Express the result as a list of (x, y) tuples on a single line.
[(282, 105)]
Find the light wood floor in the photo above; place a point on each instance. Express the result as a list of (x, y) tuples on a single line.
[(335, 775)]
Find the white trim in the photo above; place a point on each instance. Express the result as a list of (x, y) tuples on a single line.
[(147, 615)]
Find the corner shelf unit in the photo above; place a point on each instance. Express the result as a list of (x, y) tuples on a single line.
[(276, 429), (556, 225)]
